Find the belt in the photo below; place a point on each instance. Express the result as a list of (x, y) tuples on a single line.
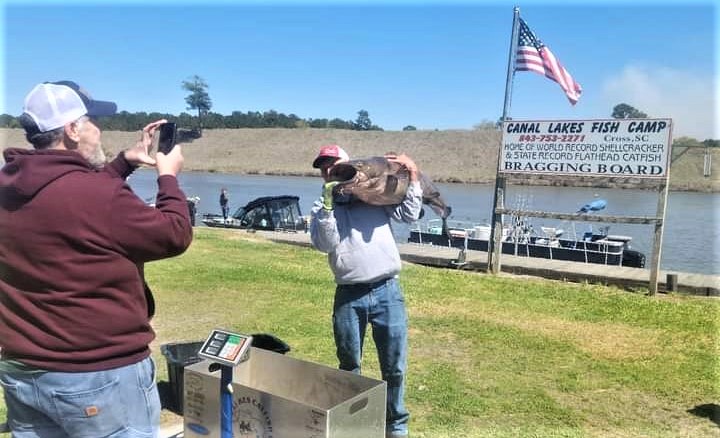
[(371, 285)]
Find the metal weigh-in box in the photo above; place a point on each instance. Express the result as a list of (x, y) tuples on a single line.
[(276, 396)]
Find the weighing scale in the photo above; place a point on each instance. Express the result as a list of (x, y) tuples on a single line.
[(226, 350)]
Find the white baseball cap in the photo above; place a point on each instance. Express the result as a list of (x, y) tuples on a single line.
[(53, 104)]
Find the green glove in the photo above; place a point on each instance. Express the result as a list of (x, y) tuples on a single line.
[(327, 194)]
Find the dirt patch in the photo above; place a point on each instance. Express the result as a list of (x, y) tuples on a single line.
[(601, 341), (435, 348)]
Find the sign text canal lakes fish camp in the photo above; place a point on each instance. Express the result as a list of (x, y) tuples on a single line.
[(616, 147)]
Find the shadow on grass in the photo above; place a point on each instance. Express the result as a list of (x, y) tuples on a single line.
[(710, 411)]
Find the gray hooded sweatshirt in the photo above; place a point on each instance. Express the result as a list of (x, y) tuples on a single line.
[(358, 237)]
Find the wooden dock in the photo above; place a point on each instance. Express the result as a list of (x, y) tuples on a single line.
[(453, 258)]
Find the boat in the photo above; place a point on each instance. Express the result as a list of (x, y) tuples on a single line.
[(521, 239), (601, 247), (269, 213)]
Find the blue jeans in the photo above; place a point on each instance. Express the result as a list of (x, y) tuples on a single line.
[(382, 305), (118, 403)]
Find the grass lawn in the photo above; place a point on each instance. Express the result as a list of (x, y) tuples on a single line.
[(490, 356)]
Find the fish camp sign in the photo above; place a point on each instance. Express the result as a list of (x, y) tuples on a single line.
[(638, 148)]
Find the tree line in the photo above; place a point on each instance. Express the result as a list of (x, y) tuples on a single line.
[(126, 121), (199, 100)]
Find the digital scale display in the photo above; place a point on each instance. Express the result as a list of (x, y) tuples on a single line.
[(225, 347)]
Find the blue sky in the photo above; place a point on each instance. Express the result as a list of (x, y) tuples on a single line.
[(430, 64)]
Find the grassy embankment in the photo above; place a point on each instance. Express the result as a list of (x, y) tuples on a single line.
[(468, 156), (490, 356)]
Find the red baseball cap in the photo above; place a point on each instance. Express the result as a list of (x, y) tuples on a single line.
[(331, 153)]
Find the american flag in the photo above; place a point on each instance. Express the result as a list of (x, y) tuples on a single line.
[(533, 55)]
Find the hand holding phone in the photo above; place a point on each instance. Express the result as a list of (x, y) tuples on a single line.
[(167, 138)]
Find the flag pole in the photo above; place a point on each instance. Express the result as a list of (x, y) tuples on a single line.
[(511, 62), (495, 243)]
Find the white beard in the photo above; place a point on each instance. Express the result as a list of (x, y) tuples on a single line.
[(97, 159)]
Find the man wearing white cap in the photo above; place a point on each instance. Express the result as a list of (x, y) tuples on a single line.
[(365, 262), (75, 314)]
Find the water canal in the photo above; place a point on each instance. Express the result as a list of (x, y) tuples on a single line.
[(691, 240)]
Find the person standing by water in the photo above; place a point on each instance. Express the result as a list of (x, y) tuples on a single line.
[(365, 261), (75, 315), (224, 203), (192, 208)]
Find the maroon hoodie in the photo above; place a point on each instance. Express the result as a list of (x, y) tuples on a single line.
[(73, 241)]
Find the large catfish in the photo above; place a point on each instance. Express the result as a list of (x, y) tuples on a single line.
[(379, 181)]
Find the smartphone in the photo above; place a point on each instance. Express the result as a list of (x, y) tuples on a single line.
[(168, 135)]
